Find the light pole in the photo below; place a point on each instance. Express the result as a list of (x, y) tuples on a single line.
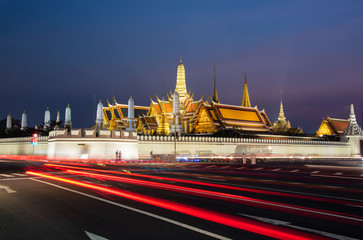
[(175, 137)]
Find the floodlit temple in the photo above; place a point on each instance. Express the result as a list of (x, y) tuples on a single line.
[(196, 116), (179, 124)]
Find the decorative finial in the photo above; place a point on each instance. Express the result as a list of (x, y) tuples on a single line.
[(181, 60), (163, 84), (215, 96)]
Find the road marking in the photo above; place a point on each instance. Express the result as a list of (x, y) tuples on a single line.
[(6, 175), (8, 189), (20, 174), (361, 175), (317, 175), (295, 192), (244, 167), (276, 169), (315, 172), (258, 168), (296, 170), (93, 236), (225, 167), (140, 211), (213, 179), (288, 224), (338, 173), (210, 166)]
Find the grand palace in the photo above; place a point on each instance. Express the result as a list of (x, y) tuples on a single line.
[(180, 112), (179, 125)]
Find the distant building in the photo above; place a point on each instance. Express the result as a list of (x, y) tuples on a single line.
[(332, 127)]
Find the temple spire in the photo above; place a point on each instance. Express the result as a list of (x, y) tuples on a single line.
[(353, 127), (215, 96), (282, 114), (246, 98), (181, 88)]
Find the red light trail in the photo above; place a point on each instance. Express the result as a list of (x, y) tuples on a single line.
[(321, 199), (228, 220), (329, 215)]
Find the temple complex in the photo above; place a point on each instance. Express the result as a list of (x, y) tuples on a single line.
[(180, 124), (194, 116)]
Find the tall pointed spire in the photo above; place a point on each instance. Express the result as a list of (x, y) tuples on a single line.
[(353, 127), (9, 122), (215, 95), (282, 114), (246, 98), (24, 121), (181, 87)]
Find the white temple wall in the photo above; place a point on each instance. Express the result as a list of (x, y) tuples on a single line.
[(227, 146), (92, 148), (22, 146)]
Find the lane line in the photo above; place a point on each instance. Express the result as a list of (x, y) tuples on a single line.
[(314, 172), (338, 173), (258, 168), (296, 170), (6, 175), (140, 211), (294, 192), (276, 169), (241, 198), (288, 224), (319, 175), (20, 174)]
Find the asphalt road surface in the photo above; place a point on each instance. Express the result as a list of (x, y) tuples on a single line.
[(118, 200)]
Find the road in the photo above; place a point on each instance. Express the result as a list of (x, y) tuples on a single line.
[(117, 200)]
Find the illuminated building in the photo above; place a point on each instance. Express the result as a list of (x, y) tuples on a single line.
[(115, 115), (24, 121), (68, 118), (283, 126), (9, 122), (332, 127), (202, 117), (47, 118)]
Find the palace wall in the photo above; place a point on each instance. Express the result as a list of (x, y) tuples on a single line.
[(92, 144), (22, 146), (102, 144), (197, 145)]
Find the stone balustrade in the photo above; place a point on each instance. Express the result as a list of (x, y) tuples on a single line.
[(238, 140)]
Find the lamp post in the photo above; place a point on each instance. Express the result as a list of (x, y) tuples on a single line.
[(175, 137)]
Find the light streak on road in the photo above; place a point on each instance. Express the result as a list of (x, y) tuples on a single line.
[(275, 193), (225, 219), (311, 212)]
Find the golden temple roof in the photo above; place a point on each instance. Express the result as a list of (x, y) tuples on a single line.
[(246, 98)]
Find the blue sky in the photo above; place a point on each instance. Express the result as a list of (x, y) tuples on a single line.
[(57, 52)]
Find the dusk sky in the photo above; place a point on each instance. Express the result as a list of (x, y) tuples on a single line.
[(57, 52)]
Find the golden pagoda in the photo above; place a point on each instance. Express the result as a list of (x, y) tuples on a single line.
[(246, 98), (113, 123), (163, 126), (281, 125), (181, 87)]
